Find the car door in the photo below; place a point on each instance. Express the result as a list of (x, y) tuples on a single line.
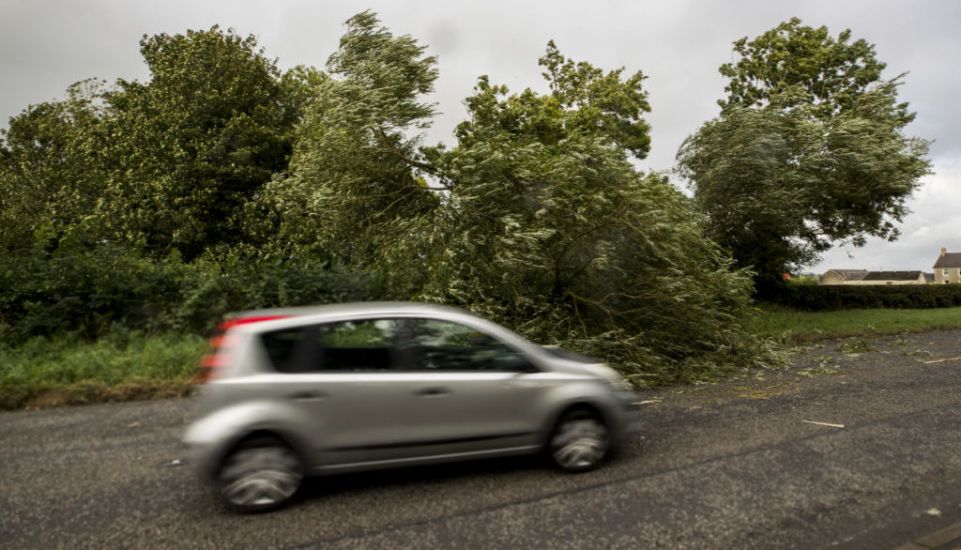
[(338, 376), (467, 391)]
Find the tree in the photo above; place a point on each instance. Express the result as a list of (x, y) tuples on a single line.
[(50, 175), (104, 194), (793, 64), (549, 229), (809, 150), (193, 145), (356, 187)]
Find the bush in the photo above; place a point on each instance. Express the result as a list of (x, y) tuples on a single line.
[(93, 291), (832, 297), (85, 291), (244, 279)]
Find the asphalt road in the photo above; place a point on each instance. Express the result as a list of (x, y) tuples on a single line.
[(735, 465)]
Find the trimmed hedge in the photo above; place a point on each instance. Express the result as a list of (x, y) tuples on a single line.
[(830, 297)]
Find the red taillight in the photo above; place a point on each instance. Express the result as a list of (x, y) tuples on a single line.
[(229, 323), (218, 357)]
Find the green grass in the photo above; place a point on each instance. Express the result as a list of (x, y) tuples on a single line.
[(802, 326), (124, 366)]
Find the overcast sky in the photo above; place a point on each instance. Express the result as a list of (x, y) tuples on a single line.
[(46, 45)]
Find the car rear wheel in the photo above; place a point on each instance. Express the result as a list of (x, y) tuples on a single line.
[(579, 442), (260, 474)]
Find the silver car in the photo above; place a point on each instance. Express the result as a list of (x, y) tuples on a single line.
[(312, 391)]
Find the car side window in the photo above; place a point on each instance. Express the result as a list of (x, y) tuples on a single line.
[(347, 346), (289, 349), (361, 345), (436, 345)]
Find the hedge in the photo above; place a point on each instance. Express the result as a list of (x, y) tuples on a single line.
[(830, 297)]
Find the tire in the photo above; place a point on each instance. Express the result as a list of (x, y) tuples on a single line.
[(259, 474), (579, 442)]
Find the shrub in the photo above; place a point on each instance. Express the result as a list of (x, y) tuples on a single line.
[(832, 297), (84, 290), (93, 291), (242, 278)]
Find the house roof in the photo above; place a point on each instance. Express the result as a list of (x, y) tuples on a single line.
[(848, 274), (892, 276), (951, 259)]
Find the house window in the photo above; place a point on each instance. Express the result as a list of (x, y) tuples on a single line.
[(944, 272)]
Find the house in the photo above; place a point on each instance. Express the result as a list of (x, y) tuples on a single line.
[(891, 278), (841, 276), (947, 269)]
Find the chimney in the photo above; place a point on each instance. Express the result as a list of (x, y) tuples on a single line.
[(943, 251)]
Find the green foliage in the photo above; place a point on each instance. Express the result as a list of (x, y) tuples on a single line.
[(549, 229), (245, 278), (120, 366), (596, 101), (793, 65), (92, 291), (220, 184), (50, 177), (354, 190), (831, 297), (808, 150), (803, 280), (84, 290), (195, 143)]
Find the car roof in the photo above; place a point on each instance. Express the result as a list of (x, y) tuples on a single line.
[(350, 308), (266, 320)]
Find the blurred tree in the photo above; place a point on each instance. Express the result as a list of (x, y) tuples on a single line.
[(357, 184), (550, 229), (809, 150)]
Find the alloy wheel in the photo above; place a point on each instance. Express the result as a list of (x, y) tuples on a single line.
[(579, 442), (260, 476)]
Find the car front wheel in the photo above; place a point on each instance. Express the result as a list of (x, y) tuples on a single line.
[(260, 474), (579, 442)]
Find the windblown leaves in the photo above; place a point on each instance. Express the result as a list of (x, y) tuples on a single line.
[(549, 229), (809, 150)]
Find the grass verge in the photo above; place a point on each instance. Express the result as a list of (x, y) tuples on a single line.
[(121, 367), (805, 326), (129, 366)]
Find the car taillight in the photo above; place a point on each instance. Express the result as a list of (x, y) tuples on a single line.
[(219, 355), (211, 363)]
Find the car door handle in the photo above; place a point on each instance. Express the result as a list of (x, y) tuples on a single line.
[(432, 391), (307, 396)]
